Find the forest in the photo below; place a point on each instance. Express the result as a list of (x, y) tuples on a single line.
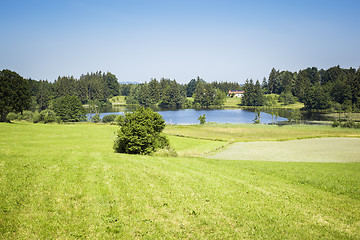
[(97, 88), (336, 88)]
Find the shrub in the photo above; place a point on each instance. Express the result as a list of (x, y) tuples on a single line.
[(257, 119), (140, 133), (295, 116), (48, 116), (96, 118), (45, 116), (12, 116), (36, 117), (109, 118), (120, 119), (350, 124), (27, 116), (336, 124), (165, 152), (202, 119)]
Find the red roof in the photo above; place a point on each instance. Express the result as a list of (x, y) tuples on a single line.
[(236, 91)]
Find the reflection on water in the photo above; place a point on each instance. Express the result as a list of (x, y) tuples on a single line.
[(190, 116)]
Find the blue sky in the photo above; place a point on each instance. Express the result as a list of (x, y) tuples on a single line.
[(138, 40)]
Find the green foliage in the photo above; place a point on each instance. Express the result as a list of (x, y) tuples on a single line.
[(206, 96), (96, 118), (109, 118), (171, 97), (191, 86), (15, 94), (26, 116), (45, 116), (120, 119), (257, 119), (316, 98), (287, 98), (69, 109), (318, 89), (295, 116), (140, 133), (48, 116), (253, 95), (167, 93), (12, 116), (225, 87), (202, 119), (346, 124)]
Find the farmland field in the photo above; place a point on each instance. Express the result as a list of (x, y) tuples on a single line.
[(254, 132), (64, 181), (304, 150)]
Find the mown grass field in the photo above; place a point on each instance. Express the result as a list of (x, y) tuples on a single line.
[(253, 132), (118, 100), (65, 182), (304, 150), (236, 103)]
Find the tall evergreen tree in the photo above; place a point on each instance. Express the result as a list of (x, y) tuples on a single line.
[(253, 94), (14, 93), (259, 98), (154, 91), (172, 97), (272, 80), (65, 86), (190, 88)]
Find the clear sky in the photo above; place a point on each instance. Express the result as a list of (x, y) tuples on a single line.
[(220, 40)]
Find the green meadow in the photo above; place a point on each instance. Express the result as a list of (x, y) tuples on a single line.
[(258, 132), (64, 181)]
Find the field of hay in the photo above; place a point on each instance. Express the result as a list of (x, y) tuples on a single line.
[(64, 181)]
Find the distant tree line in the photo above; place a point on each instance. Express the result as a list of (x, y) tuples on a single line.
[(169, 94), (89, 88), (335, 88), (56, 101)]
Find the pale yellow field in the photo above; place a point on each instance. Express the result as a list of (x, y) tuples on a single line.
[(305, 150)]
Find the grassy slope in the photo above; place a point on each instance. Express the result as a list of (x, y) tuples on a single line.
[(64, 181), (235, 103), (304, 150), (194, 147), (251, 132), (118, 100)]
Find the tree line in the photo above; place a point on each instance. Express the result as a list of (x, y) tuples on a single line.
[(97, 88), (88, 88), (169, 94), (52, 101), (335, 88)]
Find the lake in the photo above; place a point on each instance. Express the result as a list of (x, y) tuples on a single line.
[(190, 116)]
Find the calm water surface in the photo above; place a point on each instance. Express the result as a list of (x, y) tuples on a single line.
[(190, 116)]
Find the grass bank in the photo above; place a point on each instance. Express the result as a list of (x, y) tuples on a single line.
[(253, 132), (65, 182)]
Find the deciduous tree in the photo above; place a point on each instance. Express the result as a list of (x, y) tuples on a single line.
[(140, 133)]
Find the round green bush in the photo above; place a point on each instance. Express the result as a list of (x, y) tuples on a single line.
[(96, 118), (109, 118), (140, 133)]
